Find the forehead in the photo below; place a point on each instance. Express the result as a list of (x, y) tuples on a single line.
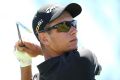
[(65, 16)]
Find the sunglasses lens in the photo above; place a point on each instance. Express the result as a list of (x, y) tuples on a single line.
[(73, 23), (65, 26)]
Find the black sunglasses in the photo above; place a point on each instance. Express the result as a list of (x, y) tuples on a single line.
[(63, 26)]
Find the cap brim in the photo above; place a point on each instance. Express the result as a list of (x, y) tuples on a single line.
[(74, 9)]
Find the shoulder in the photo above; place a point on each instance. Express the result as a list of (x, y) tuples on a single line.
[(84, 51), (92, 57), (88, 54)]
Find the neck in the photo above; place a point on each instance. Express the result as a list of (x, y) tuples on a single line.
[(50, 54)]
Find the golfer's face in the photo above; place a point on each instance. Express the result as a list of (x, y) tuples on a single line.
[(63, 41)]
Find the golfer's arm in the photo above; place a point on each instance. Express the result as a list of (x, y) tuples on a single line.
[(26, 73)]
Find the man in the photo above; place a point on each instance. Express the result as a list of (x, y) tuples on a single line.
[(55, 28)]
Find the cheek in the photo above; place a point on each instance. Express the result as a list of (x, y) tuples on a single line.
[(60, 40)]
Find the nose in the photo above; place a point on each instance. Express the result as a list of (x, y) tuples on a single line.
[(72, 31)]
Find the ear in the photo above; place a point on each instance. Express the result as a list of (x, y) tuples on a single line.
[(43, 37)]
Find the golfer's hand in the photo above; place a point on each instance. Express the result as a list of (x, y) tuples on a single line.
[(32, 49)]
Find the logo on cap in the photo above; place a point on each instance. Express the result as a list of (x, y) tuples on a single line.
[(38, 25), (50, 9), (40, 22)]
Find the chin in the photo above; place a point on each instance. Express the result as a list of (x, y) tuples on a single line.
[(72, 48)]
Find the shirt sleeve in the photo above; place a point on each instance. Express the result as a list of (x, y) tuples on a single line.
[(93, 59)]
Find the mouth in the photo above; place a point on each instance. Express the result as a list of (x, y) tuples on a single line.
[(73, 40)]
